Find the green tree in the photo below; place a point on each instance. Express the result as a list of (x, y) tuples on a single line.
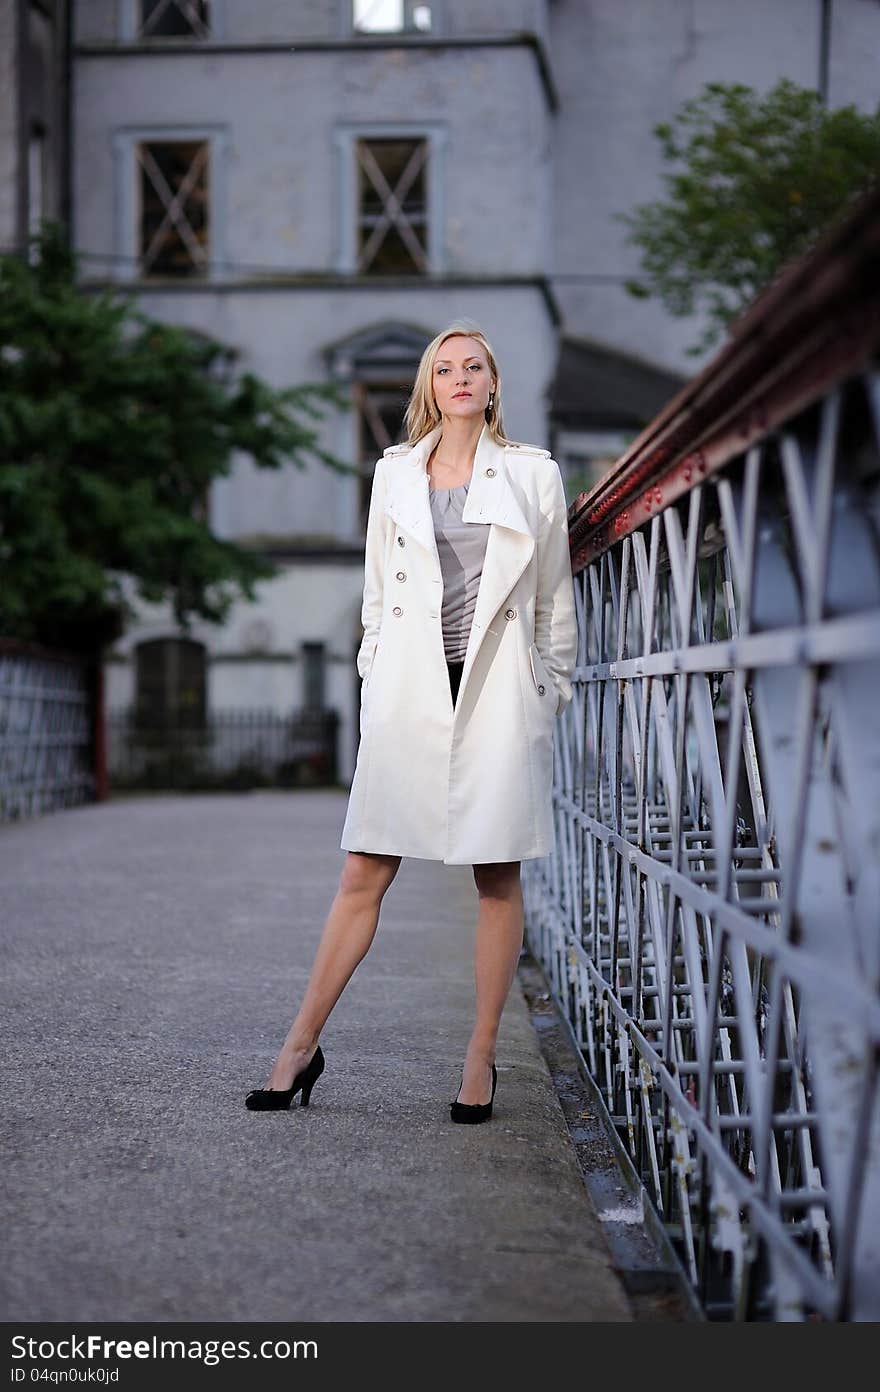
[(112, 429), (760, 179)]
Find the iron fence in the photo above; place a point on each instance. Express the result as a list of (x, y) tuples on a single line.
[(46, 731), (709, 919), (240, 748)]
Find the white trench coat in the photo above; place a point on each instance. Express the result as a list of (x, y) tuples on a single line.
[(471, 784)]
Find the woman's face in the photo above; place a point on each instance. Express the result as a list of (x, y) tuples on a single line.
[(462, 378)]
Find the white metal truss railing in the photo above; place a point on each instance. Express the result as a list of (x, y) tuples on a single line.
[(710, 916)]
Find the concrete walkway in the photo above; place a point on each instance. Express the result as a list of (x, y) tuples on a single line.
[(155, 951)]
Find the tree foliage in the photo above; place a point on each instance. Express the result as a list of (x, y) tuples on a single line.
[(760, 179), (112, 429)]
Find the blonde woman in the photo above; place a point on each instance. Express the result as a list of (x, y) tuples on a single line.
[(466, 659)]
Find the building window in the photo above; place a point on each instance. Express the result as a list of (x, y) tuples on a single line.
[(314, 693), (170, 683), (380, 407), (174, 19), (170, 201), (391, 198), (377, 364), (392, 206), (390, 16), (173, 224)]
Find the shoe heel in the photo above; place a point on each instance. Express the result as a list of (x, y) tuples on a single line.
[(266, 1099), (480, 1111)]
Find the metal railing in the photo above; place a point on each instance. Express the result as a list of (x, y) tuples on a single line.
[(709, 919), (233, 749), (46, 731)]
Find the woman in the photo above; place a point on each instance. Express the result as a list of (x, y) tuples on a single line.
[(469, 643)]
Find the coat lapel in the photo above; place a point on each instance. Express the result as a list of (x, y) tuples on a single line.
[(492, 498)]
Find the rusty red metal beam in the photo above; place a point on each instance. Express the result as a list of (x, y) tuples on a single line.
[(808, 330)]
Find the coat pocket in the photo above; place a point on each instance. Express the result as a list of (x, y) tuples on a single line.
[(365, 687), (544, 684), (372, 662)]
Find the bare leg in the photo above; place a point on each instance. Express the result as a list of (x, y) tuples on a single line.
[(348, 932), (498, 943)]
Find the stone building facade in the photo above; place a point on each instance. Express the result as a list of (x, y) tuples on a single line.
[(325, 184)]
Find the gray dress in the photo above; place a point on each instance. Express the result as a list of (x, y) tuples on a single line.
[(462, 550)]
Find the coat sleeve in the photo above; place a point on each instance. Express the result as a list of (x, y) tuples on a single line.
[(374, 570), (555, 615)]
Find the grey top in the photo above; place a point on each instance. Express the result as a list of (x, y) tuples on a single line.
[(462, 549)]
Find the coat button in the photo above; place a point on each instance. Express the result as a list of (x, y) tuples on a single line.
[(540, 691), (510, 613), (397, 609), (401, 575), (490, 473), (400, 541)]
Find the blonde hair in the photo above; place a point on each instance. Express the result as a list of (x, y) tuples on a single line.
[(422, 414)]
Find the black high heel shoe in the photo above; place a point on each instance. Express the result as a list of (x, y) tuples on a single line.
[(473, 1111), (272, 1099)]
